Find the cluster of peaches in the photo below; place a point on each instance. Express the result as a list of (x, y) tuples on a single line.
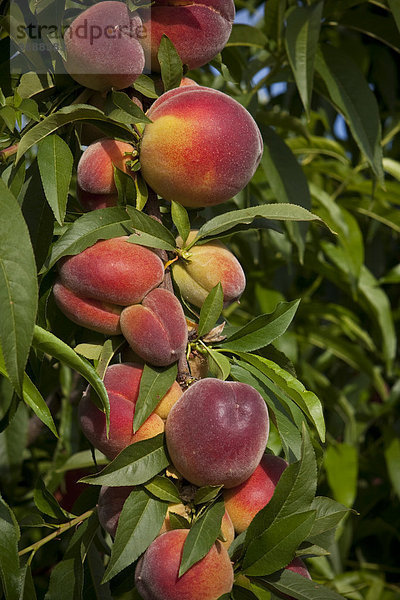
[(200, 149)]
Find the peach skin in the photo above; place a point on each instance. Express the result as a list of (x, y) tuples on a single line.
[(217, 432), (201, 148), (206, 266), (156, 575), (246, 500)]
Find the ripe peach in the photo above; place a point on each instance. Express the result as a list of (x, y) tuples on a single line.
[(95, 168), (201, 148), (217, 432), (199, 29), (168, 401), (297, 566), (207, 265), (110, 504), (156, 329), (99, 316), (113, 271), (122, 382), (102, 47), (244, 502), (157, 572)]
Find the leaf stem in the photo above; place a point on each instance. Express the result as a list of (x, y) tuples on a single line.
[(7, 152), (62, 529)]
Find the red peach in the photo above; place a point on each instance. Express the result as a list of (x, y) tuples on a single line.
[(199, 30), (95, 168), (156, 329), (122, 383), (90, 201), (157, 572), (201, 148), (102, 49), (95, 315), (206, 266), (217, 432), (113, 271), (246, 500)]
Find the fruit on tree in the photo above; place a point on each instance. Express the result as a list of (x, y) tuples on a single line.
[(201, 148), (246, 500), (156, 575), (206, 266), (156, 329), (122, 382), (217, 432), (102, 47), (90, 201), (199, 30), (167, 402), (96, 166), (297, 566)]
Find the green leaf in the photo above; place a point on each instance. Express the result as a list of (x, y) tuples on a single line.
[(211, 310), (164, 489), (395, 8), (139, 524), (275, 548), (206, 493), (125, 186), (202, 536), (392, 457), (181, 221), (46, 502), (328, 515), (154, 384), (273, 212), (262, 330), (102, 224), (306, 400), (145, 85), (55, 162), (245, 35), (341, 464), (18, 288), (294, 493), (219, 365), (170, 63), (136, 464), (143, 224), (302, 34), (28, 591), (298, 587), (67, 114), (350, 93), (9, 560), (142, 192), (123, 101), (32, 398), (48, 343), (109, 349)]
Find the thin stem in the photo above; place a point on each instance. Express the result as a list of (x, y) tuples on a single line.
[(7, 152), (62, 529)]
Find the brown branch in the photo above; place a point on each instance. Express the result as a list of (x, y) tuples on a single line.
[(7, 152)]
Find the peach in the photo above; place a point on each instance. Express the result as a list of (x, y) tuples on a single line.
[(156, 329), (297, 566), (90, 201), (217, 432), (156, 575), (199, 29), (102, 47), (113, 271), (244, 502), (201, 148), (167, 402), (93, 314), (205, 267), (110, 504), (95, 168), (122, 382)]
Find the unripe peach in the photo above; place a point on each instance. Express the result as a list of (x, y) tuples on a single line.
[(113, 271), (199, 29), (156, 329), (217, 432), (99, 316), (206, 266), (122, 382), (96, 165), (246, 500), (102, 49), (201, 148), (157, 572)]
